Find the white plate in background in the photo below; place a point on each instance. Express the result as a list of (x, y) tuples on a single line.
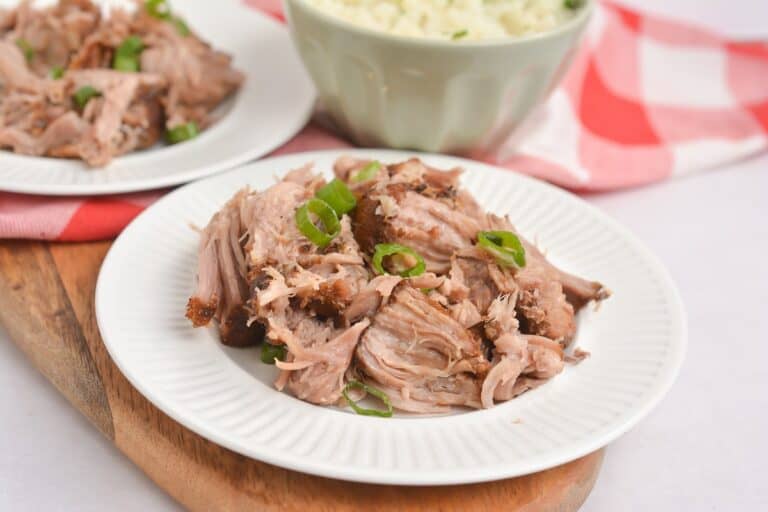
[(273, 104)]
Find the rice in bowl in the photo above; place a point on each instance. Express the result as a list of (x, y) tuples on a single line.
[(457, 20)]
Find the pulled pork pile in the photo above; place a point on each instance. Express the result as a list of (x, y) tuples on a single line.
[(403, 299), (77, 84)]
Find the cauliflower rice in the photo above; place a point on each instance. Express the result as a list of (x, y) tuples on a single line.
[(458, 20)]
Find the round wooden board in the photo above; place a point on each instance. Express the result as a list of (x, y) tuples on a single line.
[(46, 305)]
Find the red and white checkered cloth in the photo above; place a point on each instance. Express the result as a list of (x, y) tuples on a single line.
[(646, 99)]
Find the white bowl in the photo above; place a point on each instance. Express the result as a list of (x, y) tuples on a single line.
[(431, 95)]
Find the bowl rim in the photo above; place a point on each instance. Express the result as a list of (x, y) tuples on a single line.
[(573, 24)]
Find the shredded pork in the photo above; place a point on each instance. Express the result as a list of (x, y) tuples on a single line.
[(47, 55), (467, 332)]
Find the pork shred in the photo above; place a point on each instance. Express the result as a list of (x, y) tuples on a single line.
[(182, 80), (468, 332)]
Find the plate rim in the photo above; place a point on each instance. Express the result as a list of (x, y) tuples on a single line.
[(164, 181), (375, 475)]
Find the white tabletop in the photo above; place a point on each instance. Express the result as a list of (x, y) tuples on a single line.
[(702, 448)]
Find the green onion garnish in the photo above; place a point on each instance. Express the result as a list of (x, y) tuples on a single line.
[(270, 352), (338, 196), (158, 9), (182, 132), (504, 245), (57, 72), (327, 216), (130, 46), (83, 95), (370, 170), (573, 4), (127, 64), (410, 262), (161, 10), (181, 27), (459, 34), (371, 391), (26, 49), (127, 54)]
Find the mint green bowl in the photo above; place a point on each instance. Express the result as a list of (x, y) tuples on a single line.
[(424, 94)]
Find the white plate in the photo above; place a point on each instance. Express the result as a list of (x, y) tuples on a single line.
[(637, 340), (273, 104)]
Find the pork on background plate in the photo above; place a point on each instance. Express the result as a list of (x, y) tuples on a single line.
[(390, 279), (77, 84)]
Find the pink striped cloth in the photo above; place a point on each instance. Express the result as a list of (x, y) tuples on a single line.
[(646, 99)]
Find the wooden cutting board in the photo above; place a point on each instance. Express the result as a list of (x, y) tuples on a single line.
[(46, 305)]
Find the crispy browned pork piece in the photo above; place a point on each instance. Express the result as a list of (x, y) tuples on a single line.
[(222, 285), (48, 55), (468, 331)]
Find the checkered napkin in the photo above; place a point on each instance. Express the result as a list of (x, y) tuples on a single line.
[(646, 99)]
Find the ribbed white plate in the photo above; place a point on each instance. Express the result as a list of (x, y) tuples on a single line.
[(274, 102), (637, 340)]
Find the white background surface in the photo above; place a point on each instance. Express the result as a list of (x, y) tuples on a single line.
[(702, 449)]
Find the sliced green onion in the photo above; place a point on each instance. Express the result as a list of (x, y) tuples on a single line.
[(371, 391), (125, 63), (337, 194), (161, 10), (573, 4), (270, 352), (459, 34), (504, 245), (158, 9), (181, 26), (368, 172), (127, 54), (26, 49), (327, 216), (182, 132), (83, 95), (57, 72), (131, 45), (411, 262)]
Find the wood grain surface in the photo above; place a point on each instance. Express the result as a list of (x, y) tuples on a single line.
[(46, 305)]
